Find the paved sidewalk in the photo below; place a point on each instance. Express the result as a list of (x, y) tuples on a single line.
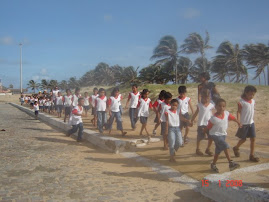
[(38, 163)]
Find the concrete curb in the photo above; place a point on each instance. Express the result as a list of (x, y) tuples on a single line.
[(108, 143)]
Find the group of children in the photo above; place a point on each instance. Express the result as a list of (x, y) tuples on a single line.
[(171, 114)]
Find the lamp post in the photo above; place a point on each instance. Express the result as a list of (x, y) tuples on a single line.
[(21, 66)]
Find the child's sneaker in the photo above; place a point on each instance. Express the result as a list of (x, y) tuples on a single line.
[(214, 168), (253, 158), (199, 153), (236, 152), (208, 152), (233, 165), (154, 132)]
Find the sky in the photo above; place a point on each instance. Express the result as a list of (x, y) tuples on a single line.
[(67, 38)]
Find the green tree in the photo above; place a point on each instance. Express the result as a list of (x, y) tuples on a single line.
[(103, 74), (52, 84), (33, 85), (183, 69), (44, 84), (166, 54), (63, 85), (130, 75), (73, 83), (200, 65), (194, 43)]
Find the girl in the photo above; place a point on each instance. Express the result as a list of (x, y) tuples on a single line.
[(173, 118), (36, 109), (164, 106), (143, 111), (101, 109), (76, 120), (155, 108), (49, 102), (22, 99), (67, 104), (245, 114), (183, 108), (86, 103), (92, 102), (75, 97), (133, 97), (217, 127), (204, 109), (59, 104), (114, 111)]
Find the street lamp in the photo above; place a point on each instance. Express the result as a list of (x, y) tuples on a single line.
[(21, 65)]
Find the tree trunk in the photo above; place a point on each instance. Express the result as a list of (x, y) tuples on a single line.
[(203, 58), (268, 74)]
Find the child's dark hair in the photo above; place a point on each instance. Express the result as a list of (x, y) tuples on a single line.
[(86, 92), (173, 101), (134, 85), (114, 91), (205, 75), (161, 95), (35, 102), (68, 90), (248, 89), (101, 89), (77, 89), (182, 89), (144, 92), (95, 89), (220, 100), (81, 98), (167, 95)]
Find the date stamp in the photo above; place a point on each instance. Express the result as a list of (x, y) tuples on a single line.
[(228, 183)]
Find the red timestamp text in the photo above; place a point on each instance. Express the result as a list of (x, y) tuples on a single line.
[(228, 183)]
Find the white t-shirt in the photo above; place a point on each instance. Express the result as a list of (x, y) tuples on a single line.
[(247, 111), (36, 107), (55, 94), (59, 100), (93, 98), (75, 99), (218, 125), (68, 100), (143, 107), (74, 118), (134, 99), (173, 118), (41, 103), (48, 103), (205, 113), (100, 103), (163, 108), (114, 103), (183, 105), (120, 99), (86, 101)]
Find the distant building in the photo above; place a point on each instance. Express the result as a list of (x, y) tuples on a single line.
[(17, 91)]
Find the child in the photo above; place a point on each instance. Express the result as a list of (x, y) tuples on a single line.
[(121, 110), (143, 106), (164, 106), (76, 120), (217, 127), (100, 103), (133, 97), (86, 103), (75, 97), (49, 104), (114, 110), (155, 108), (214, 94), (22, 99), (205, 112), (172, 128), (32, 100), (26, 99), (59, 104), (183, 108), (67, 104), (36, 109), (92, 102), (245, 114), (41, 104)]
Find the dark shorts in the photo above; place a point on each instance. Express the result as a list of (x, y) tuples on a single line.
[(36, 113), (247, 131), (32, 104), (220, 143), (41, 107), (67, 110), (143, 119), (163, 128), (86, 108), (94, 111), (185, 124), (200, 133)]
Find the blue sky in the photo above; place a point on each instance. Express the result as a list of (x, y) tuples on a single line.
[(66, 38)]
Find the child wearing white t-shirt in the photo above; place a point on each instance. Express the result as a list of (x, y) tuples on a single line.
[(101, 109), (86, 103), (67, 104), (36, 109), (92, 103), (59, 104)]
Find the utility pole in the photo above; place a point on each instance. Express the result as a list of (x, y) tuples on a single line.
[(21, 66)]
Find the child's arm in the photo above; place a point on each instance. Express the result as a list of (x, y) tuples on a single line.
[(109, 106), (191, 107), (128, 100), (239, 111), (167, 123), (232, 118), (75, 112), (195, 114), (182, 118), (199, 93)]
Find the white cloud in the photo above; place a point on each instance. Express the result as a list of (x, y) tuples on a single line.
[(107, 18), (191, 13), (35, 78), (44, 71), (6, 40)]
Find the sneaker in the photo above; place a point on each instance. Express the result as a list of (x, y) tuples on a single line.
[(208, 152), (199, 153), (154, 132), (253, 158), (214, 168), (233, 165), (236, 152)]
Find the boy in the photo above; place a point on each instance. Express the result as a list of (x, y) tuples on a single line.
[(92, 102), (36, 109), (67, 104)]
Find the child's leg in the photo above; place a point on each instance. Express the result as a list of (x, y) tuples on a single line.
[(131, 115), (240, 142), (198, 144), (209, 143), (216, 156), (172, 140), (80, 132), (119, 122), (73, 130), (146, 129), (227, 154), (178, 140), (252, 145), (142, 128), (99, 122), (110, 122)]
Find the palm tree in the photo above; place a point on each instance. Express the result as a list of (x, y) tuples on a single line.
[(194, 43), (52, 84), (103, 74), (167, 53), (130, 75), (200, 65), (63, 85), (87, 79), (230, 57), (73, 83), (44, 84), (154, 74), (33, 85), (183, 68), (258, 56)]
